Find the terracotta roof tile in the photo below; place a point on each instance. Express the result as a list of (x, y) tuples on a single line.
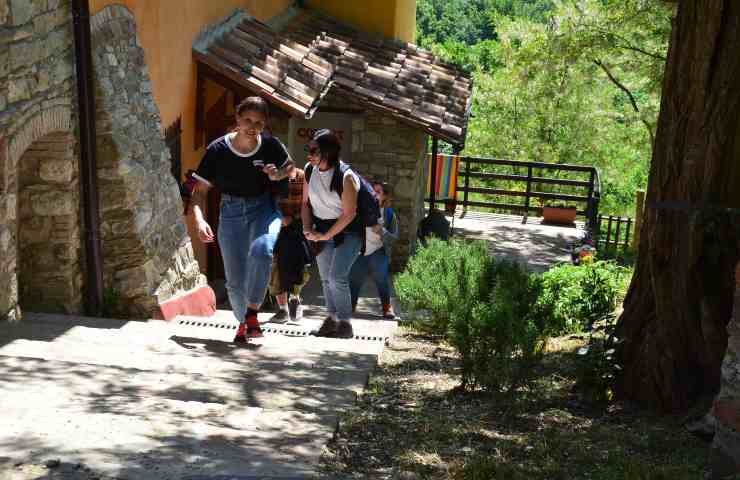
[(436, 110), (259, 84), (399, 103), (231, 57), (426, 117), (348, 71), (345, 81), (293, 53), (412, 91), (297, 65), (452, 130), (299, 85), (369, 91)]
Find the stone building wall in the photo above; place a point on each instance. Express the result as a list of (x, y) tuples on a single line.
[(49, 252), (37, 119), (384, 148), (148, 257), (726, 410)]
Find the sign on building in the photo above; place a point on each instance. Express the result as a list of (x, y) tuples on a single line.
[(301, 131)]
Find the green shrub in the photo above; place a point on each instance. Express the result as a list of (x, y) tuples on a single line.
[(596, 365), (112, 306), (626, 258), (579, 296), (444, 278), (497, 315), (499, 341)]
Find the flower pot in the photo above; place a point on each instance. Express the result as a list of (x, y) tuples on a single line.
[(559, 215)]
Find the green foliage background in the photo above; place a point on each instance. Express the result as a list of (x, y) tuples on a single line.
[(552, 79)]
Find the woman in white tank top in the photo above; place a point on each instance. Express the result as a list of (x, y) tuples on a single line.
[(332, 220)]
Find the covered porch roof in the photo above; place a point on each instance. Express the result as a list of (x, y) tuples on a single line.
[(296, 60)]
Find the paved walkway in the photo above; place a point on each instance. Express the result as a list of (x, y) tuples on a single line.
[(536, 244), (177, 400), (174, 400)]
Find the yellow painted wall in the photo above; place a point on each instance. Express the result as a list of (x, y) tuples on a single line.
[(167, 29), (392, 18), (406, 20)]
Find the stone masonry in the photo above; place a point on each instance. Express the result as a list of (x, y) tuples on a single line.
[(726, 410), (50, 272), (36, 126), (386, 149), (147, 253)]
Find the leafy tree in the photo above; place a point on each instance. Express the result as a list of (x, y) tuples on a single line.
[(534, 10), (569, 81), (465, 21)]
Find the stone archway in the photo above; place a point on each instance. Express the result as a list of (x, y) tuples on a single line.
[(49, 269), (41, 211)]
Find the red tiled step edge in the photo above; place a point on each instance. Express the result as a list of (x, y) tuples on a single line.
[(200, 302)]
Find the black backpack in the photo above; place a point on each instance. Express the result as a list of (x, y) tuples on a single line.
[(368, 206)]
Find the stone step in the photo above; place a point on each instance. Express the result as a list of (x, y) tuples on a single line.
[(220, 326), (171, 400), (272, 385), (276, 372), (175, 347), (367, 330), (166, 439)]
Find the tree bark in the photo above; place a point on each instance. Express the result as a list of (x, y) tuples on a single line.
[(673, 328)]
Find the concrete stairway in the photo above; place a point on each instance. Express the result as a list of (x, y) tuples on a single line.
[(172, 400)]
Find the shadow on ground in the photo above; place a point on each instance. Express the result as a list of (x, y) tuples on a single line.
[(133, 400), (413, 419)]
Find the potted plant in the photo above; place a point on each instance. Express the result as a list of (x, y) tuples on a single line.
[(559, 214)]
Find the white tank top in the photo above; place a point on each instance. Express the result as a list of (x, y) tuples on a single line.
[(326, 204), (373, 241)]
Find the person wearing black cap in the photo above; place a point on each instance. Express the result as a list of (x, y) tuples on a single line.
[(332, 220), (244, 165)]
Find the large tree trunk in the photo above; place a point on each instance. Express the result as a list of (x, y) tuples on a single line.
[(675, 315)]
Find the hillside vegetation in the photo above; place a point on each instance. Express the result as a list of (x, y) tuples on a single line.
[(565, 81)]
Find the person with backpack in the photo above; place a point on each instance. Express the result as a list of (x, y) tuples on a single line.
[(376, 260), (336, 208)]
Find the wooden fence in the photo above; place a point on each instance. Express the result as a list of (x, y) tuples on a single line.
[(582, 191), (615, 232)]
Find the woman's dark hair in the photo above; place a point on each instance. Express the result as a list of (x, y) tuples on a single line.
[(329, 145), (254, 104), (387, 191)]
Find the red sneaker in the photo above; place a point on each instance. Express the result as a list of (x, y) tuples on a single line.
[(253, 327), (240, 334)]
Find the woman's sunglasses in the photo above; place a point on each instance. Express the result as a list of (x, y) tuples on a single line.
[(310, 151)]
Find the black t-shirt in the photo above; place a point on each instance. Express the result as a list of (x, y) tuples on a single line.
[(241, 175)]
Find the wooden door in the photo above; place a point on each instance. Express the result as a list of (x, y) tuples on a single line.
[(219, 120)]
